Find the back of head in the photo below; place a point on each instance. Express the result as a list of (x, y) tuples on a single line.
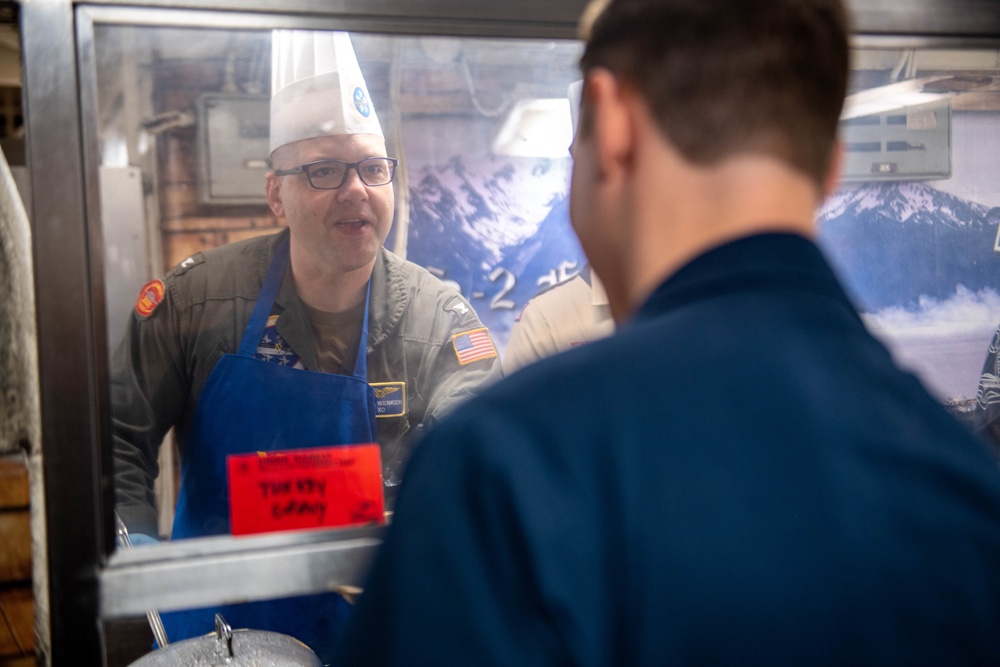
[(730, 77)]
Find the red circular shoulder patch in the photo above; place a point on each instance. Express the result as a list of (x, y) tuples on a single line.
[(150, 297)]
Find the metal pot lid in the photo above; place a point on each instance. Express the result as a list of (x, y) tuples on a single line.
[(233, 648)]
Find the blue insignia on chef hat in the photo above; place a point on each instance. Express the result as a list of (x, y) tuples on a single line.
[(361, 103)]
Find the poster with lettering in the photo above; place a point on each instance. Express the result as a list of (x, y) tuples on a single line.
[(919, 258), (323, 487)]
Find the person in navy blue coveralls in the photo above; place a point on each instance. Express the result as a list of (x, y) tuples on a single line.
[(740, 475)]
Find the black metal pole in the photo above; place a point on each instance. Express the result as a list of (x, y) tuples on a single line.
[(65, 321)]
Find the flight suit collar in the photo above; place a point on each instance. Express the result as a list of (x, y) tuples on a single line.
[(388, 298), (761, 261)]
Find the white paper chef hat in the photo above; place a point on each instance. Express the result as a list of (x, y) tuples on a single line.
[(317, 88)]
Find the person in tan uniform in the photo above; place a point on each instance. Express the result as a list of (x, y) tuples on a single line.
[(567, 315)]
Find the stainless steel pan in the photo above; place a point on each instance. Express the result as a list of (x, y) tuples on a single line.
[(232, 648)]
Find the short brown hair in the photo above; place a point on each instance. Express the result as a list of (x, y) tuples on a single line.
[(729, 77)]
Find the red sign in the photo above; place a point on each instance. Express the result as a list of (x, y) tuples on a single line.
[(305, 488)]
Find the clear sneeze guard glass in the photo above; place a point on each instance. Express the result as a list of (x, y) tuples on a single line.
[(481, 128)]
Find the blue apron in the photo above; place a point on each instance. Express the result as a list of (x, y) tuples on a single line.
[(250, 405)]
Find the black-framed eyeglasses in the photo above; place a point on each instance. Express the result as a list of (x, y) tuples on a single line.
[(331, 174)]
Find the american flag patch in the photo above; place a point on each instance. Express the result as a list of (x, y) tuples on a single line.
[(473, 345)]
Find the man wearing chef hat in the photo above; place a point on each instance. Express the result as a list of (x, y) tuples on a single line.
[(314, 336)]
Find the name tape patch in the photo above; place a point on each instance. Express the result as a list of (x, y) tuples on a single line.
[(390, 399)]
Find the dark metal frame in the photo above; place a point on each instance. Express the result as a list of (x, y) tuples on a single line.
[(68, 251)]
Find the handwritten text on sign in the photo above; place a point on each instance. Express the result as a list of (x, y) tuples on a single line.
[(305, 488)]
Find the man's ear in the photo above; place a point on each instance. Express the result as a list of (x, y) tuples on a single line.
[(273, 188), (832, 180), (612, 128)]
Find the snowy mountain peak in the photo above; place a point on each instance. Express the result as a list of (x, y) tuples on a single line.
[(904, 202)]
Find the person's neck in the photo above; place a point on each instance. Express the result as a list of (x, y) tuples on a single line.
[(703, 208), (327, 289)]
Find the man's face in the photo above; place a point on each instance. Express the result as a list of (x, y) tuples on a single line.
[(342, 228)]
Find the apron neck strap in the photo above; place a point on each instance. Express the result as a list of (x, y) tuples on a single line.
[(265, 300), (361, 364)]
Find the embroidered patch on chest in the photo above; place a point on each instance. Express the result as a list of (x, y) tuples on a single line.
[(390, 399), (273, 348)]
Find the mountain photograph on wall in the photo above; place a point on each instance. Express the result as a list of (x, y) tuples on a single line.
[(916, 257), (900, 243), (920, 266), (497, 229)]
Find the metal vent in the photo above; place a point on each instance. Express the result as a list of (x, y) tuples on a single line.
[(232, 148)]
